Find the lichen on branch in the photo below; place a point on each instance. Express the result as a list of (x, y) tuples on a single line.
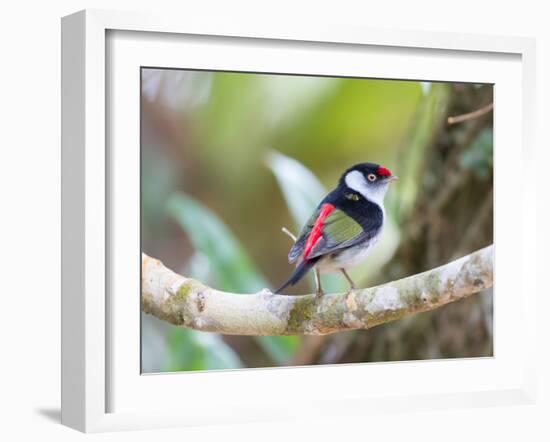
[(185, 302)]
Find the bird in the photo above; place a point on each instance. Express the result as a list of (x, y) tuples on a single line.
[(344, 227)]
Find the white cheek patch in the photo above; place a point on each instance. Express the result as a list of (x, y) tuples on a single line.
[(355, 180)]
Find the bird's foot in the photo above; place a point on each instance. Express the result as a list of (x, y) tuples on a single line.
[(350, 281), (319, 294), (350, 291)]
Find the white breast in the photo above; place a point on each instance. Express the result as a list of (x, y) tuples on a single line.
[(348, 257)]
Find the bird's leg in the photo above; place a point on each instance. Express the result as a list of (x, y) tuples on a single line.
[(351, 283), (319, 292)]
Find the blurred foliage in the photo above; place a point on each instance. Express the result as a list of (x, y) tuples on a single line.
[(229, 267), (190, 350), (413, 149), (228, 160), (301, 189), (479, 155)]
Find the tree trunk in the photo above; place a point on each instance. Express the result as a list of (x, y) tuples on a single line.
[(452, 215)]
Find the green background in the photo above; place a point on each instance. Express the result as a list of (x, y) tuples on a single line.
[(230, 158)]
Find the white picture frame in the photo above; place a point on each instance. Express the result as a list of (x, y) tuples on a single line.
[(91, 352)]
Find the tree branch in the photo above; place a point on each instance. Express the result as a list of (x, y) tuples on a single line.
[(186, 302), (470, 115)]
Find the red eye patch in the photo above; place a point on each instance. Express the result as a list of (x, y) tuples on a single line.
[(383, 171)]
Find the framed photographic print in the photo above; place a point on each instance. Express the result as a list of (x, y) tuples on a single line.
[(251, 211)]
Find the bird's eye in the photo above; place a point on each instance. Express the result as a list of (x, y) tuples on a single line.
[(371, 177)]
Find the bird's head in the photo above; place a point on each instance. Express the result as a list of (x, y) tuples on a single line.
[(369, 179)]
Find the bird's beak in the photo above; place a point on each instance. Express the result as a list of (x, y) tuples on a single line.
[(393, 178)]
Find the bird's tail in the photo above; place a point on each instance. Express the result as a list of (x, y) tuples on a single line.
[(298, 274)]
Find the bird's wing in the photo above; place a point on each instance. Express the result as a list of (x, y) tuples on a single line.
[(327, 230), (298, 247), (337, 231)]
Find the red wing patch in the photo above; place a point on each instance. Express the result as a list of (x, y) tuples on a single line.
[(315, 233)]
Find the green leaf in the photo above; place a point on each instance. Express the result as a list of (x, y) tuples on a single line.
[(217, 354), (279, 348), (193, 350), (184, 354), (230, 266), (301, 188)]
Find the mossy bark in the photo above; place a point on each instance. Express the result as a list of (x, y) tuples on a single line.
[(185, 302)]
